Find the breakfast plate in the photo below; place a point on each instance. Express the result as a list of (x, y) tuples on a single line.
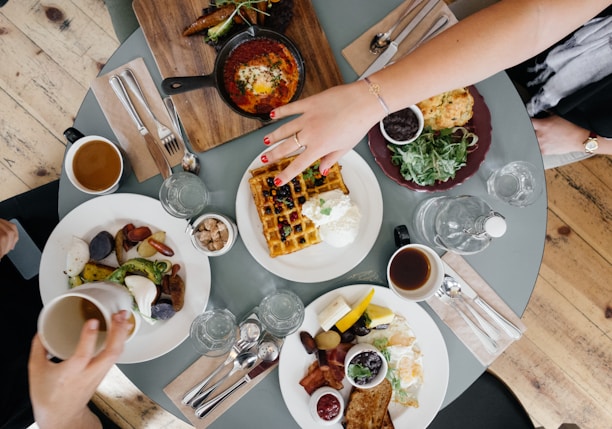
[(294, 361), (320, 262), (480, 124), (111, 213)]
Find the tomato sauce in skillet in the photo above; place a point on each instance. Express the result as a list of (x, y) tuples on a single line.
[(260, 75)]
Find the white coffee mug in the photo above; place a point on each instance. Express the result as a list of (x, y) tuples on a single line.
[(61, 320), (415, 272), (94, 165)]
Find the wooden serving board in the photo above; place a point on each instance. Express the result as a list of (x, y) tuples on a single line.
[(208, 121)]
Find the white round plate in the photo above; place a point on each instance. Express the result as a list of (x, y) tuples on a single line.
[(111, 213), (294, 361), (320, 262)]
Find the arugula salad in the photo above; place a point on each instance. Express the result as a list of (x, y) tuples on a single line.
[(435, 156)]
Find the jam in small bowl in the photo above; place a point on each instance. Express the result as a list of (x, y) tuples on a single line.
[(326, 406), (404, 126), (365, 366)]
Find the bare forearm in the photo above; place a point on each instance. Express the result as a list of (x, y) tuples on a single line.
[(481, 45), (85, 419)]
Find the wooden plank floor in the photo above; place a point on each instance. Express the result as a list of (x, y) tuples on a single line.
[(560, 369)]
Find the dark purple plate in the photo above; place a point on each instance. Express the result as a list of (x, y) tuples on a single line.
[(480, 124)]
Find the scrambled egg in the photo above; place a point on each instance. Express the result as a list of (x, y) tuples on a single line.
[(399, 345), (449, 109)]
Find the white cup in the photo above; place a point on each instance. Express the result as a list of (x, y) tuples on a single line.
[(61, 319), (415, 272), (94, 165)]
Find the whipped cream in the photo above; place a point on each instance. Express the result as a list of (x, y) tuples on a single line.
[(336, 217)]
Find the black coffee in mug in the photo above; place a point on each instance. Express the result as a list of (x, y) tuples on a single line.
[(410, 269)]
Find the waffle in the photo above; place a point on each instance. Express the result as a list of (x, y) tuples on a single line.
[(285, 229)]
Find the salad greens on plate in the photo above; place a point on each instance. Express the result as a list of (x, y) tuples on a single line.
[(435, 156)]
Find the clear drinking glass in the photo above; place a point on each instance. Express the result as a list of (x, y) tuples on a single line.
[(183, 195), (214, 332), (517, 183), (281, 313)]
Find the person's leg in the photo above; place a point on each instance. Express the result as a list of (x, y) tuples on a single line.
[(123, 18)]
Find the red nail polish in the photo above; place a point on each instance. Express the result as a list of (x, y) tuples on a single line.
[(272, 114), (277, 182), (267, 141), (325, 172), (264, 159)]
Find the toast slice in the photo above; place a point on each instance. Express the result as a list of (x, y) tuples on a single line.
[(368, 408)]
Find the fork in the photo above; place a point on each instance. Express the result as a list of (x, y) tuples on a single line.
[(164, 133), (489, 344), (240, 346)]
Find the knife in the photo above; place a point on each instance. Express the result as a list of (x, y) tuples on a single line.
[(508, 327), (211, 404), (386, 56), (158, 156)]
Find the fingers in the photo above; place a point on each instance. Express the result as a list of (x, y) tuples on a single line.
[(38, 353), (87, 342), (117, 335)]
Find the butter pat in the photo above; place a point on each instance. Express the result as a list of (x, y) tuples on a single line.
[(333, 312), (377, 315)]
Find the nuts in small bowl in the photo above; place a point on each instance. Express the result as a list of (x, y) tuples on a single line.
[(214, 234), (326, 406), (365, 366), (403, 126)]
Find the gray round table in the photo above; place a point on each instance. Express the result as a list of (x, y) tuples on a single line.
[(510, 265)]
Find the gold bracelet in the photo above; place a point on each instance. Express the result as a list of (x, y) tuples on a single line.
[(374, 88)]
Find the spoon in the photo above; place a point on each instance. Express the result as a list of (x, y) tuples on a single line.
[(453, 289), (381, 41), (190, 161), (489, 343), (244, 361), (268, 352), (250, 332)]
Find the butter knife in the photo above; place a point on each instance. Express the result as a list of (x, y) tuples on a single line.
[(158, 156), (386, 56), (211, 404), (508, 327)]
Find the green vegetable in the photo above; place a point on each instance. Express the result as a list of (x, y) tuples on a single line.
[(219, 30), (435, 156), (154, 270), (356, 371)]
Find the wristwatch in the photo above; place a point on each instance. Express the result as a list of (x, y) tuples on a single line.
[(590, 144)]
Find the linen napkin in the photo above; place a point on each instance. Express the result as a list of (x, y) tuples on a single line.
[(457, 266), (197, 372), (125, 130), (358, 52)]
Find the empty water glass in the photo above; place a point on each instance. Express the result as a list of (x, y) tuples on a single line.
[(517, 183), (183, 195), (281, 313), (214, 332)]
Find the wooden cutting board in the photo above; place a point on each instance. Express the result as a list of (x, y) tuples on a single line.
[(208, 121)]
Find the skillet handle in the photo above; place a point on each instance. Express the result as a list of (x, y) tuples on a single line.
[(179, 84)]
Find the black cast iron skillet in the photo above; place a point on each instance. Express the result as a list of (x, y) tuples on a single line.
[(179, 84)]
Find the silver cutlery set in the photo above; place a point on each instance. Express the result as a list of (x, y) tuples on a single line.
[(452, 293), (251, 348), (172, 141), (383, 45)]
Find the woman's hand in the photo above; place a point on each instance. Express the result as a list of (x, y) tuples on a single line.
[(60, 391), (328, 127), (8, 236), (557, 135)]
